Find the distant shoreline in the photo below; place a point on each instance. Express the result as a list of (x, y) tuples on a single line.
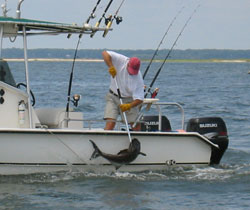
[(144, 60), (52, 60)]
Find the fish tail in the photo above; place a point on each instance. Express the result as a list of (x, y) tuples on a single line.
[(96, 152)]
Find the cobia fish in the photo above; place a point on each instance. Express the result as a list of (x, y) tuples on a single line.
[(123, 157)]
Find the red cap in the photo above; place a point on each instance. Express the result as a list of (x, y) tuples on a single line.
[(134, 65)]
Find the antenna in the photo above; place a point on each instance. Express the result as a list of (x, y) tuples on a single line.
[(18, 10), (4, 8)]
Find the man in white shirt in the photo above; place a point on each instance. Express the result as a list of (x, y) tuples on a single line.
[(130, 83)]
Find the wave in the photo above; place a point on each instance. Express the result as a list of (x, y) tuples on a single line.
[(221, 173)]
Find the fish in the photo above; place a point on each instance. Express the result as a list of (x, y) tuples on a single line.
[(123, 157)]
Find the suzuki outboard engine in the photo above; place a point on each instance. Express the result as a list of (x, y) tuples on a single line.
[(151, 123), (214, 129)]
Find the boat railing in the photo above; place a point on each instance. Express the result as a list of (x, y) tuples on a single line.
[(91, 122), (158, 106), (145, 107)]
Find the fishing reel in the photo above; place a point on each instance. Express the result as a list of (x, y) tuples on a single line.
[(75, 99), (155, 92), (118, 19), (108, 19), (93, 16)]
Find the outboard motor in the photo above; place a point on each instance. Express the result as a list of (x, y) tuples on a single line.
[(151, 123), (214, 129)]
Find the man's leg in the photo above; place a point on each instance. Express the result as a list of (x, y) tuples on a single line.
[(111, 111), (110, 124)]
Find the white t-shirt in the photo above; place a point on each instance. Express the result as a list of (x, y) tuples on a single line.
[(129, 85)]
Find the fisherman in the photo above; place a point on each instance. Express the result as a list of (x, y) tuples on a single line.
[(130, 83)]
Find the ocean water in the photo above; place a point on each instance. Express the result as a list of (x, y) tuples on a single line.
[(203, 89)]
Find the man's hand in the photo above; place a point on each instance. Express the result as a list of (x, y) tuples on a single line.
[(112, 71), (125, 107)]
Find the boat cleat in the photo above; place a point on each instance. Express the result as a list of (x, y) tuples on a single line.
[(170, 162)]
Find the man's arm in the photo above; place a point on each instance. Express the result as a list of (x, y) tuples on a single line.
[(125, 107), (136, 102), (107, 59)]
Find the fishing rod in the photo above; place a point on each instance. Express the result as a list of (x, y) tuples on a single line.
[(73, 66), (167, 56), (92, 15), (70, 82), (103, 16), (156, 51), (110, 19)]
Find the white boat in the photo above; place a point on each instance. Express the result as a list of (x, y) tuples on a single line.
[(50, 139)]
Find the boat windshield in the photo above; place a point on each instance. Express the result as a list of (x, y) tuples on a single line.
[(5, 74)]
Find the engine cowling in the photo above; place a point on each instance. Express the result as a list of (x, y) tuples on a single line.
[(151, 123), (215, 130)]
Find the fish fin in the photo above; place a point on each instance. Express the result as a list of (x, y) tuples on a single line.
[(96, 152), (122, 151), (117, 167), (141, 153)]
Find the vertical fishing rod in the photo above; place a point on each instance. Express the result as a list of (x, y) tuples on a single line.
[(103, 16), (73, 64), (156, 51), (70, 82), (167, 56), (111, 19)]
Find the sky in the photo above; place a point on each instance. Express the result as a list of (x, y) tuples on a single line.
[(217, 24)]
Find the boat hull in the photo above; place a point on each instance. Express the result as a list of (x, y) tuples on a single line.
[(25, 151)]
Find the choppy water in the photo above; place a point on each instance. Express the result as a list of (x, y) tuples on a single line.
[(204, 89)]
